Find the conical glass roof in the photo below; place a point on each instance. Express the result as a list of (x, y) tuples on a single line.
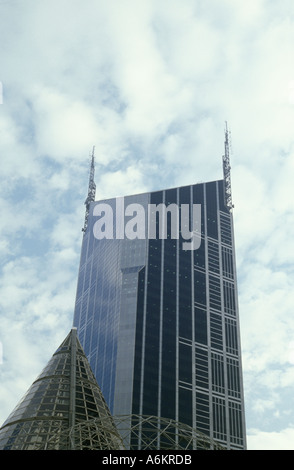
[(64, 394)]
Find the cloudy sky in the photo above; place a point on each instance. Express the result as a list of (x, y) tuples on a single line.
[(150, 83)]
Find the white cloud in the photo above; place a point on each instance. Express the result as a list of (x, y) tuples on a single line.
[(281, 440), (65, 126), (119, 183), (150, 84)]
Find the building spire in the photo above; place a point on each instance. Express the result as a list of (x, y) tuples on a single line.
[(91, 190), (227, 171)]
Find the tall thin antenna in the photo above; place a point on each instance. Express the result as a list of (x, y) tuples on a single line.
[(227, 171), (91, 190)]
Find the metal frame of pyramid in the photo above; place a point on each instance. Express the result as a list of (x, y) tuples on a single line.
[(65, 394)]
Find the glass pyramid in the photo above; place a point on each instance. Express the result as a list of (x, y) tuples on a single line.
[(65, 394)]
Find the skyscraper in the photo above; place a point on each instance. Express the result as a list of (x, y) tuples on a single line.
[(157, 311)]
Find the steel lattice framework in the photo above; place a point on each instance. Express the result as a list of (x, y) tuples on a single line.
[(227, 172), (91, 191), (136, 432)]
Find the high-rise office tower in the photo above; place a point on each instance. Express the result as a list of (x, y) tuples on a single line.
[(157, 309)]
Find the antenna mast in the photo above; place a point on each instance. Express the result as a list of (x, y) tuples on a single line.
[(91, 191), (227, 171)]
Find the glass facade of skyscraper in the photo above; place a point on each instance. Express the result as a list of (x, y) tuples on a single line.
[(159, 323)]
